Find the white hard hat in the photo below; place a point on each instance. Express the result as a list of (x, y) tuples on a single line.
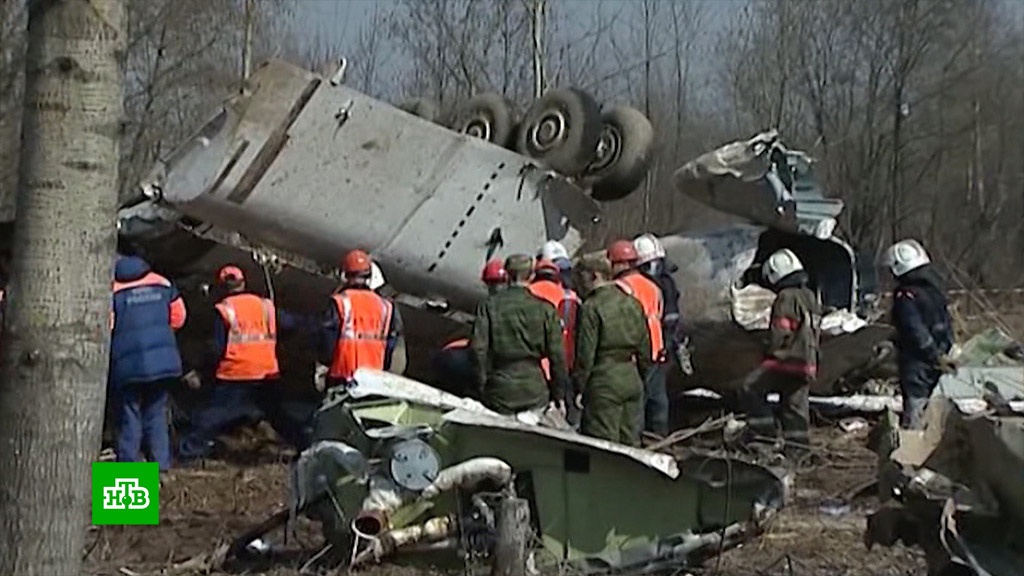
[(648, 248), (553, 250), (904, 256), (377, 280), (781, 264)]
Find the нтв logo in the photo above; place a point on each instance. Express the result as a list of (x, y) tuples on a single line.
[(125, 493)]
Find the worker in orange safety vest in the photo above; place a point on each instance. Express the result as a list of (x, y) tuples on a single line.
[(547, 285), (453, 364), (360, 328), (245, 367), (623, 256)]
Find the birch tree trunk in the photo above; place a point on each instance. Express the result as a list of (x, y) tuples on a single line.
[(56, 335)]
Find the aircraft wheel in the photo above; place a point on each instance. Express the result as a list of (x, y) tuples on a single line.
[(561, 129), (623, 154), (486, 116), (423, 107)]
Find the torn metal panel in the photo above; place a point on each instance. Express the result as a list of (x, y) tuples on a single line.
[(686, 507), (370, 382), (957, 485), (763, 181), (429, 224), (660, 462)]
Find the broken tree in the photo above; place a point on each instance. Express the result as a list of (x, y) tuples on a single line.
[(56, 334)]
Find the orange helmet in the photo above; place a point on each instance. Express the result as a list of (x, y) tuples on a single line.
[(622, 251), (494, 272), (545, 265), (230, 272), (356, 262)]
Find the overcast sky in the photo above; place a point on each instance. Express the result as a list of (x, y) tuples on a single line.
[(340, 20)]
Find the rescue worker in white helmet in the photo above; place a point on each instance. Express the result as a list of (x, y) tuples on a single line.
[(554, 251), (654, 263), (924, 333), (790, 362)]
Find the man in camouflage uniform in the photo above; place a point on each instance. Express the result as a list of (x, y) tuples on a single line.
[(791, 359), (513, 330), (613, 350)]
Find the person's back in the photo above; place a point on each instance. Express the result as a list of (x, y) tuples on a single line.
[(921, 317), (512, 332), (250, 332), (365, 319), (648, 293), (567, 304), (144, 359), (147, 309), (794, 348), (613, 353)]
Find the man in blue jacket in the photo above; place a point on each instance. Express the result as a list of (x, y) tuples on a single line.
[(144, 359), (923, 325)]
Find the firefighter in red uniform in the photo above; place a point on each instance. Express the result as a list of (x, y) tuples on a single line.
[(246, 370), (360, 328), (623, 256), (453, 364), (547, 285)]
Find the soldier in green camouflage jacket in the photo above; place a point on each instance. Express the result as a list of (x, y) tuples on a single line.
[(513, 330), (613, 351)]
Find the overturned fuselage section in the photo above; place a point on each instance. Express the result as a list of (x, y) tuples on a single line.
[(399, 466)]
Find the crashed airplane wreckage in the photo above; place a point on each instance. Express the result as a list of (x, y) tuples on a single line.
[(956, 488), (302, 168), (399, 467)]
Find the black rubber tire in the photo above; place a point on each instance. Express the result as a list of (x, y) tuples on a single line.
[(572, 150), (628, 137), (487, 116), (422, 107)]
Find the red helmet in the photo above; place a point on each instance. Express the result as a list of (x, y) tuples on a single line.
[(230, 273), (622, 251), (545, 265), (494, 272), (356, 262)]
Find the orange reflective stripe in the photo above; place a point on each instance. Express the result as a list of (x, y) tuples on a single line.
[(460, 343), (235, 333), (150, 279), (563, 299), (651, 300), (251, 351), (364, 319)]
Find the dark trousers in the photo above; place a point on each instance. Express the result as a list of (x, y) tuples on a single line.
[(654, 415), (792, 413), (233, 402), (917, 382), (454, 370), (141, 409)]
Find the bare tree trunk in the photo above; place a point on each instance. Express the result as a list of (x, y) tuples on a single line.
[(538, 13), (56, 334), (250, 17)]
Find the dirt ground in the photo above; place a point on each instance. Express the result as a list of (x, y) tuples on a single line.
[(204, 507)]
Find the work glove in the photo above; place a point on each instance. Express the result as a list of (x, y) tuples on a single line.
[(557, 406), (684, 358), (320, 377), (192, 380), (947, 365)]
